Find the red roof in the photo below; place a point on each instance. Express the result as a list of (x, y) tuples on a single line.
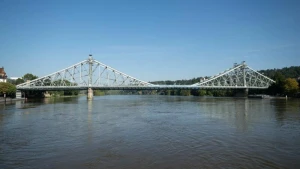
[(2, 72)]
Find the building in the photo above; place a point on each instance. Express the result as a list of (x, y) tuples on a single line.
[(3, 76)]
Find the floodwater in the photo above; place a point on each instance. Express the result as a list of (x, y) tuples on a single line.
[(150, 132)]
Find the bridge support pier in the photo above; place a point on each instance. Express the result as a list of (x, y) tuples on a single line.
[(90, 94), (46, 94), (242, 92), (246, 91), (18, 94)]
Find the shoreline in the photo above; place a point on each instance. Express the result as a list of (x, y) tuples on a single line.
[(2, 100)]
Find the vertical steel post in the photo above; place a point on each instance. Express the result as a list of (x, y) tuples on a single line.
[(90, 69), (80, 81), (90, 90), (244, 74), (246, 90), (99, 75)]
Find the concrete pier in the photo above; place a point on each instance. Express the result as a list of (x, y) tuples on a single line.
[(246, 92), (242, 93), (90, 94), (46, 94), (18, 94)]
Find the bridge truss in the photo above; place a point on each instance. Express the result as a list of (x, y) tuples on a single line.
[(88, 73), (93, 74), (240, 76)]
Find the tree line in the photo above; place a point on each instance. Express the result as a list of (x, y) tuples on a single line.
[(287, 83)]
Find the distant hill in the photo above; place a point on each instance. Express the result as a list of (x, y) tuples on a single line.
[(287, 72)]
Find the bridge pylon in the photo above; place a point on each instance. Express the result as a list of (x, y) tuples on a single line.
[(240, 76), (86, 75), (90, 94)]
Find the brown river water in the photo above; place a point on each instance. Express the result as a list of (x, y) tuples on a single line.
[(150, 132)]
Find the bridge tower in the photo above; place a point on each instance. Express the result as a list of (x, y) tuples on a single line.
[(243, 73), (246, 90), (90, 81)]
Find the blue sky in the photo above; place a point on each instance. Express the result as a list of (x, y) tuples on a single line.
[(150, 40)]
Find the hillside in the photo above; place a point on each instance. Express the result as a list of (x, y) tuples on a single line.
[(287, 72)]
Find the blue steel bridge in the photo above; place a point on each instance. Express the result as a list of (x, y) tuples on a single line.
[(92, 74)]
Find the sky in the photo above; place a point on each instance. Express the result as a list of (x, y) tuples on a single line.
[(149, 40)]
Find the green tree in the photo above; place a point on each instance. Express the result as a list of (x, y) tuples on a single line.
[(202, 92), (56, 93), (185, 92), (62, 83), (195, 92), (209, 93), (19, 81), (29, 76), (7, 88), (167, 92), (278, 87), (291, 86), (11, 81), (99, 93), (71, 92), (287, 72)]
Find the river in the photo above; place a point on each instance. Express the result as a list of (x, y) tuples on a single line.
[(150, 132)]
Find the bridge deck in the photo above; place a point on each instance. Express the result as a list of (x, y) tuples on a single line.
[(96, 75), (154, 87)]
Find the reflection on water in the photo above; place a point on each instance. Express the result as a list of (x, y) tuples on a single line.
[(150, 132), (286, 110), (90, 121)]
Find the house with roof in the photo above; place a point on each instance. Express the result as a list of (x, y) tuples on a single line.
[(3, 76)]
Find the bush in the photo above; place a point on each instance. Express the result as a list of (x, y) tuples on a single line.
[(7, 88)]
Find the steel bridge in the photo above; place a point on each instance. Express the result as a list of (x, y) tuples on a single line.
[(92, 74)]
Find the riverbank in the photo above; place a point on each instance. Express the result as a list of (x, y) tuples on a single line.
[(2, 100), (263, 96)]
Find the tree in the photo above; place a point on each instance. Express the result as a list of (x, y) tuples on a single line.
[(99, 93), (278, 87), (19, 81), (209, 93), (167, 92), (195, 92), (200, 92), (287, 72), (291, 86), (7, 88), (29, 76), (185, 93), (61, 83)]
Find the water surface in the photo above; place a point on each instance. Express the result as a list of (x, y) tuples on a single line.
[(150, 132)]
